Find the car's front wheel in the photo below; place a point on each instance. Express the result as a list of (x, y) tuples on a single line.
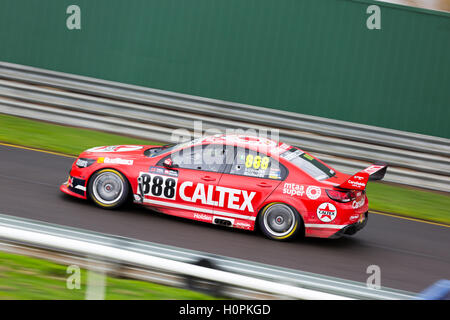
[(278, 221), (108, 188)]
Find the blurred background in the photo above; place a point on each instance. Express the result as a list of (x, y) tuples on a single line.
[(350, 86), (442, 5)]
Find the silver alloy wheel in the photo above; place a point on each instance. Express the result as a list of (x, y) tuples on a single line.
[(108, 188), (279, 219)]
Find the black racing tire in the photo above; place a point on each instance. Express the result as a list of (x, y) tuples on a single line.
[(279, 221), (108, 189)]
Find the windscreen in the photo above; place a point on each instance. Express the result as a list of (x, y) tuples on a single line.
[(170, 147)]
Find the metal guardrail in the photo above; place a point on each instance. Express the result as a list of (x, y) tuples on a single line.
[(282, 282), (414, 159)]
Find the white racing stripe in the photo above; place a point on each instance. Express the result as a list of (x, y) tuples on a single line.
[(204, 210), (326, 226), (229, 214)]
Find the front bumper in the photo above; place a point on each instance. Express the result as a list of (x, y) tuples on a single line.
[(75, 187), (354, 227)]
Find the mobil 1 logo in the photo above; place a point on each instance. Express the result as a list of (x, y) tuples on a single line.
[(157, 185)]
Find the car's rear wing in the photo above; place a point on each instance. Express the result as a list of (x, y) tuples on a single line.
[(359, 180)]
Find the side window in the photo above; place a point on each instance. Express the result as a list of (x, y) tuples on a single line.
[(207, 158), (308, 164), (189, 158), (253, 164)]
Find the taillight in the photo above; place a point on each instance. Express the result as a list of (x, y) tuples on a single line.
[(341, 196)]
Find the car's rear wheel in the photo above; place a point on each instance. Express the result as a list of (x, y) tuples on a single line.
[(108, 188), (278, 221)]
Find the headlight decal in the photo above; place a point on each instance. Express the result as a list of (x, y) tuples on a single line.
[(84, 162)]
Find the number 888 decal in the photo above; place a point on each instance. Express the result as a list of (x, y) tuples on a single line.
[(257, 162), (157, 186)]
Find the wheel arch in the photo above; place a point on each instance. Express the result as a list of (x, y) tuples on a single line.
[(287, 203), (295, 204), (88, 180)]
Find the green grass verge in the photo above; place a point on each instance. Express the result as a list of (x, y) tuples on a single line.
[(25, 278), (383, 197), (58, 138), (409, 202)]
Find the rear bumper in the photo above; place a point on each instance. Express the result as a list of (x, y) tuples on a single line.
[(353, 228)]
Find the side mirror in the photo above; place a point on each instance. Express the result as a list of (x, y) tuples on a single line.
[(168, 163)]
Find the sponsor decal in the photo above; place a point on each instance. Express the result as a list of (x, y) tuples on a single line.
[(372, 169), (165, 187), (354, 217), (70, 182), (275, 174), (293, 189), (163, 171), (291, 155), (313, 192), (356, 184), (243, 225), (201, 216), (115, 161), (157, 170), (123, 148), (82, 163), (284, 146), (326, 212), (358, 204), (205, 193), (257, 162), (252, 172), (157, 185), (76, 185), (168, 162), (138, 198)]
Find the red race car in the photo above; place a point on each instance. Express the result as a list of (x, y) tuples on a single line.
[(231, 180)]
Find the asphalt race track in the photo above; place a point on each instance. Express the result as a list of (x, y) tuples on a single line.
[(412, 255)]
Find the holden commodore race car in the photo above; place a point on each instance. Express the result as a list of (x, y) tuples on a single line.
[(231, 180)]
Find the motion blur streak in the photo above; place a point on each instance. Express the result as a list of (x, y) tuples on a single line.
[(412, 219), (37, 150)]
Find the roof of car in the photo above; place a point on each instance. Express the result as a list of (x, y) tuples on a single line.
[(257, 143)]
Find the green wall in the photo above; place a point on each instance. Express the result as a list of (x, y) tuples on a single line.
[(309, 56)]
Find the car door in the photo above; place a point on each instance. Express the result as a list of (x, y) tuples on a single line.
[(247, 182), (188, 187)]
